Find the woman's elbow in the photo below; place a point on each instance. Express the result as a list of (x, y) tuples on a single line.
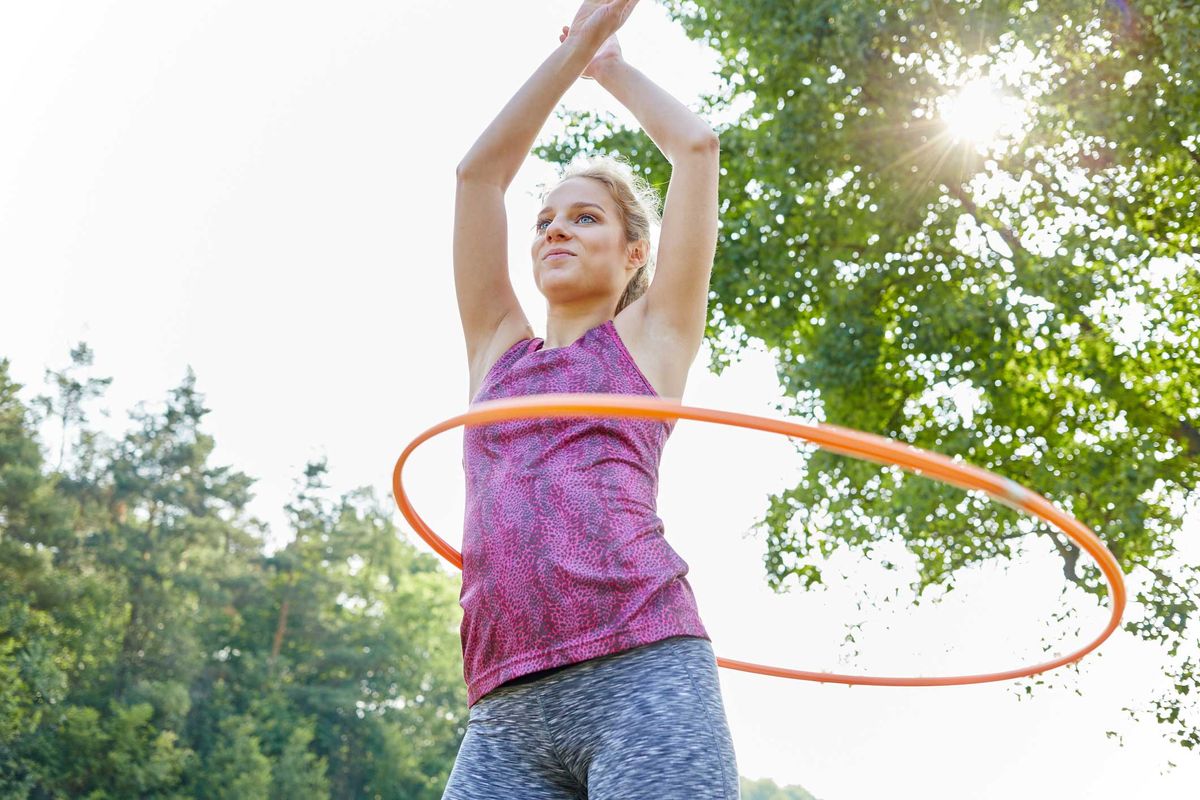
[(711, 142), (704, 145)]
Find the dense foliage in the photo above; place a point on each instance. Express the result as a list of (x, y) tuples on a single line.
[(1025, 300), (150, 648)]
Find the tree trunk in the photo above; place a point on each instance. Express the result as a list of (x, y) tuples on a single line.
[(280, 629)]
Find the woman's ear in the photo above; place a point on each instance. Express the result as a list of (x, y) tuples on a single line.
[(639, 253)]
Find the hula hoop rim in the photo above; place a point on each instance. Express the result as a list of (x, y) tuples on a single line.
[(846, 441)]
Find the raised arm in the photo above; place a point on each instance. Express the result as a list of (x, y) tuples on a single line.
[(675, 306), (486, 300), (499, 152)]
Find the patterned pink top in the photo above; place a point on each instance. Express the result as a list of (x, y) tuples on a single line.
[(564, 557)]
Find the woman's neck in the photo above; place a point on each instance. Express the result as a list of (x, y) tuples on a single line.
[(564, 327)]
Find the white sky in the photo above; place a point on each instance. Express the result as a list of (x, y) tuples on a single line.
[(264, 191)]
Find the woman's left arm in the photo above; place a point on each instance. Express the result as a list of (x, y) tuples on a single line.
[(676, 302), (669, 123)]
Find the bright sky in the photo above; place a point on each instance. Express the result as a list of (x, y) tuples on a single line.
[(264, 191)]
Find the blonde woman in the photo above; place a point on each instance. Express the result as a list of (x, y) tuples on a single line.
[(589, 672)]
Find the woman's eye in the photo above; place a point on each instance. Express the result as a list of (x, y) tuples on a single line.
[(541, 222)]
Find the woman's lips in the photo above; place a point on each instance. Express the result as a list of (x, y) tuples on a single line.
[(559, 255)]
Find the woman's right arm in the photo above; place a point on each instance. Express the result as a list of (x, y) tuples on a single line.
[(501, 150), (491, 315)]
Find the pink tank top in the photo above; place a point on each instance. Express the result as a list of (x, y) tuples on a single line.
[(564, 557)]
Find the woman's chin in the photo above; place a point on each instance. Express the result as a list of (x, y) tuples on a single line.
[(562, 294), (558, 282)]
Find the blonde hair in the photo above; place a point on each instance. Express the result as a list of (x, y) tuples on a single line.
[(637, 204)]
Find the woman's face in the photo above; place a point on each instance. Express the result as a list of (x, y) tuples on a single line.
[(581, 218)]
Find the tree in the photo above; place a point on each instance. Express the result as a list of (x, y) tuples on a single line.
[(72, 394), (1023, 298), (237, 768), (300, 774), (767, 789), (150, 648), (364, 640)]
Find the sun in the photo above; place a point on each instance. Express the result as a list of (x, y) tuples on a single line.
[(981, 114)]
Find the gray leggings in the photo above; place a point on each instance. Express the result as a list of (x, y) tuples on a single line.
[(647, 722)]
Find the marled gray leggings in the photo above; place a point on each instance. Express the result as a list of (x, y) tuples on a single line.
[(644, 723)]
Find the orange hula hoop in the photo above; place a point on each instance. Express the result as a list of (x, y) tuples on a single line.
[(845, 441)]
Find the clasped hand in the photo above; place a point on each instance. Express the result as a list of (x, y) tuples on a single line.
[(595, 25)]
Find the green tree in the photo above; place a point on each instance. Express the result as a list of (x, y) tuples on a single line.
[(365, 640), (52, 624), (767, 789), (236, 769), (150, 648), (300, 773), (1025, 301), (72, 394), (105, 756), (24, 499)]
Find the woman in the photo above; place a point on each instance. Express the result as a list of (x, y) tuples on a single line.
[(589, 671)]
